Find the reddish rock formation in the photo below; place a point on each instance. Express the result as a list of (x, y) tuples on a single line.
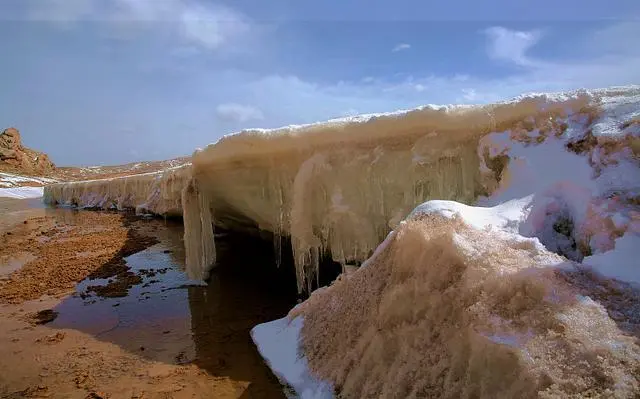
[(17, 158)]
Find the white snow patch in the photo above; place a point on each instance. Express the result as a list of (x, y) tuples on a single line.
[(534, 168), (22, 192), (8, 180), (506, 217), (580, 194), (617, 108), (620, 263), (277, 342)]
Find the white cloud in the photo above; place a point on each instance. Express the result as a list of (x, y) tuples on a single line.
[(511, 45), (200, 23), (469, 94), (238, 113), (212, 27), (61, 12), (304, 101), (420, 87), (180, 91), (401, 47)]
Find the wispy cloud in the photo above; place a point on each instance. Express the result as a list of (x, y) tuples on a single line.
[(238, 113), (610, 66), (401, 47), (203, 24), (420, 87), (469, 94), (212, 27)]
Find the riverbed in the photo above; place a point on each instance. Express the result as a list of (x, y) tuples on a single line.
[(151, 310)]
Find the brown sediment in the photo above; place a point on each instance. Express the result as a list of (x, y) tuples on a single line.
[(88, 245), (38, 361), (42, 357)]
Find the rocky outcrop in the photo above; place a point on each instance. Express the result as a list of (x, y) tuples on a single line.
[(15, 157)]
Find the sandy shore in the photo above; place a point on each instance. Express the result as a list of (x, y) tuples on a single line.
[(51, 254)]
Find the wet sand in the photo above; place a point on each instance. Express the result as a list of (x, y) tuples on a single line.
[(157, 334)]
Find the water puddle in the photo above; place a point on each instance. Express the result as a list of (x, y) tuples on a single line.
[(15, 211), (14, 263), (166, 317)]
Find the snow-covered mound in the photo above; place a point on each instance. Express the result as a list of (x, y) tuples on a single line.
[(448, 310), (158, 192)]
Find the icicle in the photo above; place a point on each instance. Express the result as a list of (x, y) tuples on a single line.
[(192, 231), (198, 232), (208, 256)]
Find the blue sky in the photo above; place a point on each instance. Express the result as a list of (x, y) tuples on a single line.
[(113, 81)]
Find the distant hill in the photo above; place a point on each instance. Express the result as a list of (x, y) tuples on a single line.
[(133, 168), (19, 160)]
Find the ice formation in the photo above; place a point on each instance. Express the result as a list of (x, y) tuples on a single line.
[(338, 188), (159, 192)]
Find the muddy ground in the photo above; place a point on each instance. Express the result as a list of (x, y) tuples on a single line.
[(78, 321)]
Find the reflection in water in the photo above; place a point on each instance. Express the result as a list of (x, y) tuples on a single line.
[(14, 263), (14, 212), (167, 318)]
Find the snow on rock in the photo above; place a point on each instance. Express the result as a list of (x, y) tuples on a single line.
[(21, 192), (581, 171), (507, 217), (277, 342)]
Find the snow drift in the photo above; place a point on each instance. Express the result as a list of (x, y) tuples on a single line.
[(159, 193), (446, 310)]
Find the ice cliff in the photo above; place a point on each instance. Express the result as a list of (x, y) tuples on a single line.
[(159, 192), (338, 188)]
